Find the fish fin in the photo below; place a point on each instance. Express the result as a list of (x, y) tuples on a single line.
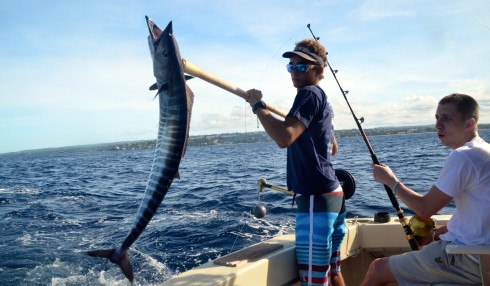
[(121, 259), (153, 86), (126, 267), (107, 253), (177, 175), (163, 87)]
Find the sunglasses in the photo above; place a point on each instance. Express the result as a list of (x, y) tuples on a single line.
[(301, 68)]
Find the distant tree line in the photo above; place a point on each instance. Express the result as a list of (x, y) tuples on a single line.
[(237, 138)]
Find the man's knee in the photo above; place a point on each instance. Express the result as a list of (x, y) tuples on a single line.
[(378, 265), (379, 272)]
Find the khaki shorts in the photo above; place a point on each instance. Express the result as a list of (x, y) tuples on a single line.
[(432, 265)]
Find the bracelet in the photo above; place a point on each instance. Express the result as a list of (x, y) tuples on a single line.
[(259, 104), (394, 186)]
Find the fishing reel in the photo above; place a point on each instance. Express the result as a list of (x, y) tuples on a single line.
[(422, 227)]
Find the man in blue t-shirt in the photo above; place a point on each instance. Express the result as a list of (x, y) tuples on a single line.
[(307, 133)]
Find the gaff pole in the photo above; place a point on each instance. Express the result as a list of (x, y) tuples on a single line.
[(399, 212)]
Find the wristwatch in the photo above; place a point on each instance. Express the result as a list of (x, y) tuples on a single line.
[(259, 104)]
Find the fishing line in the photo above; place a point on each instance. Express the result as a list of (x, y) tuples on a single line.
[(403, 221), (481, 21), (236, 238), (274, 55), (258, 211), (269, 63)]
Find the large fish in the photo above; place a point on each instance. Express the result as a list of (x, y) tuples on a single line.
[(176, 101)]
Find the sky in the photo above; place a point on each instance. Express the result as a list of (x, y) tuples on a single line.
[(78, 72)]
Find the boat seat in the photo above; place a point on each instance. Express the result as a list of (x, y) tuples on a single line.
[(482, 251)]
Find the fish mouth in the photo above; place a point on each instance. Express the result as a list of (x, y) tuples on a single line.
[(154, 30)]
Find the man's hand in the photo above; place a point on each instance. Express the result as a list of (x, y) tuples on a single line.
[(254, 96)]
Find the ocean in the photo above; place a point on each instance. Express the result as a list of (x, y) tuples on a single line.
[(54, 206)]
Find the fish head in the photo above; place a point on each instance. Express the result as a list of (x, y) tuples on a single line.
[(164, 50), (169, 73)]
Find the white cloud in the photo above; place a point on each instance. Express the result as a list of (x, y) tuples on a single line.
[(88, 65), (380, 9)]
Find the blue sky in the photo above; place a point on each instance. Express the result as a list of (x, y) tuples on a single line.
[(78, 72)]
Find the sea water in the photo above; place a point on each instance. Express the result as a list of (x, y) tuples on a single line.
[(54, 206)]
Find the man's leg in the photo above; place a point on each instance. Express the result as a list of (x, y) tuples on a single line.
[(314, 228), (379, 273), (337, 237), (337, 279)]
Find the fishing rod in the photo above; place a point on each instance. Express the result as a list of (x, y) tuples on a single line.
[(399, 212)]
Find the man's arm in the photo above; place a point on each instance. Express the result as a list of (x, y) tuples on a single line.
[(335, 147), (283, 132), (426, 205), (423, 205)]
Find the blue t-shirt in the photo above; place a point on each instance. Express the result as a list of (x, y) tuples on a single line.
[(309, 162)]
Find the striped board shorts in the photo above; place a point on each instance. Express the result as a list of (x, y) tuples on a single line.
[(320, 229)]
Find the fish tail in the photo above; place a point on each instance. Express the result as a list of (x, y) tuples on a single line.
[(117, 257)]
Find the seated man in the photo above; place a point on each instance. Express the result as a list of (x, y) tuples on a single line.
[(465, 178)]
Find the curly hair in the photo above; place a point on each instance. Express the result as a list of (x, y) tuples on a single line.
[(316, 47)]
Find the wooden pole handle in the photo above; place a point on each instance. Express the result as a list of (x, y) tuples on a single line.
[(194, 70)]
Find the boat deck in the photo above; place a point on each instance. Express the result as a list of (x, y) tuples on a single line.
[(274, 263)]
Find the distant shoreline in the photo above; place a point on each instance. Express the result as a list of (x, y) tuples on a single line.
[(229, 138)]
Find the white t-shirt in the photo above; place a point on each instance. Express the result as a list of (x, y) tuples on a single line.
[(466, 177)]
